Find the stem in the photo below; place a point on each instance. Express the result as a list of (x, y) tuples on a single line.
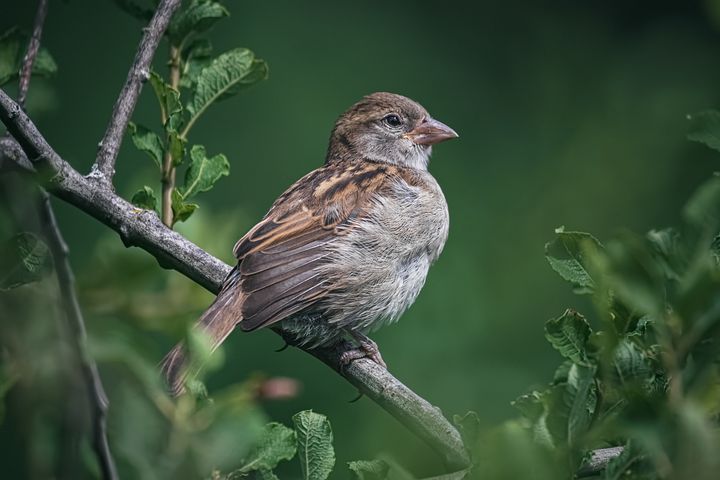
[(104, 167), (32, 51), (168, 166), (76, 324)]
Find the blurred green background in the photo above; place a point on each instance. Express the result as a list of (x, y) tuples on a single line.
[(570, 113)]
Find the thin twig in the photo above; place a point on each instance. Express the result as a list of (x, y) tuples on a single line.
[(143, 228), (76, 324), (104, 166), (32, 51)]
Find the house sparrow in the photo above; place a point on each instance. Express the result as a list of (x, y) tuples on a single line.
[(346, 249)]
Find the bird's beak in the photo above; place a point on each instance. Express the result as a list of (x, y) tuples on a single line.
[(430, 132)]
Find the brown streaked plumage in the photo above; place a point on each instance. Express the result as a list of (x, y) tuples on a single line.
[(347, 247)]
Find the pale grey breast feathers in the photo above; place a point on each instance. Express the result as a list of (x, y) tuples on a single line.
[(350, 242)]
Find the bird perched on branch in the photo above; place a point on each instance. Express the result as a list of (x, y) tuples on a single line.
[(345, 249)]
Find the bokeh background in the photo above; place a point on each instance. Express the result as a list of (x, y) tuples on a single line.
[(569, 113)]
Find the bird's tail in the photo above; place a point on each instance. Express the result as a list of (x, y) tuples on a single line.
[(216, 323)]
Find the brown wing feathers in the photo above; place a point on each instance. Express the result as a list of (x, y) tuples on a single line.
[(278, 270)]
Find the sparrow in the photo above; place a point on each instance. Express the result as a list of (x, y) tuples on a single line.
[(346, 249)]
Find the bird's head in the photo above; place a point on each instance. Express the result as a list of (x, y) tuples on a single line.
[(385, 127)]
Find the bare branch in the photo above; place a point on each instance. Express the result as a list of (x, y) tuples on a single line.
[(144, 229), (139, 72), (76, 324), (598, 461), (32, 51)]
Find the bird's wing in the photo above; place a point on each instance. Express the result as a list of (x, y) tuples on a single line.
[(280, 260)]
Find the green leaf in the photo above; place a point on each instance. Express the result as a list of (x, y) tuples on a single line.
[(276, 444), (369, 469), (703, 208), (169, 100), (13, 44), (314, 440), (24, 258), (665, 245), (203, 172), (705, 128), (568, 256), (176, 146), (181, 210), (135, 8), (197, 17), (469, 428), (147, 141), (569, 335), (225, 76), (630, 365), (145, 198), (581, 399), (196, 56)]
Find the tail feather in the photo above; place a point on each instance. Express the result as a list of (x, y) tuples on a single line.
[(217, 322)]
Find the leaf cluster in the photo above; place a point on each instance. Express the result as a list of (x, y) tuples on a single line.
[(646, 375), (198, 79)]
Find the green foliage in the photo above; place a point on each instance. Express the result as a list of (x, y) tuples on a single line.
[(13, 44), (277, 443), (24, 258), (203, 171), (369, 469), (204, 80), (145, 198), (147, 141), (567, 254), (315, 449), (653, 357), (224, 77)]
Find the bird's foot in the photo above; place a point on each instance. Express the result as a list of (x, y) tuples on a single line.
[(368, 349)]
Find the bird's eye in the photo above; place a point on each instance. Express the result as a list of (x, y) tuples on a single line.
[(392, 120)]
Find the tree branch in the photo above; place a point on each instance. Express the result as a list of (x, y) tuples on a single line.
[(598, 461), (109, 146), (143, 228), (32, 51), (66, 281)]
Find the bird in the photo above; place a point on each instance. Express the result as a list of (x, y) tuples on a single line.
[(344, 250)]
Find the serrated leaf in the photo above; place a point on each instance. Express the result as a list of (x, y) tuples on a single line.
[(24, 258), (581, 399), (705, 128), (181, 210), (277, 443), (568, 256), (196, 56), (136, 8), (569, 334), (197, 17), (314, 442), (630, 365), (203, 171), (225, 76), (169, 100), (145, 198), (369, 469), (13, 44), (147, 141), (469, 428)]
